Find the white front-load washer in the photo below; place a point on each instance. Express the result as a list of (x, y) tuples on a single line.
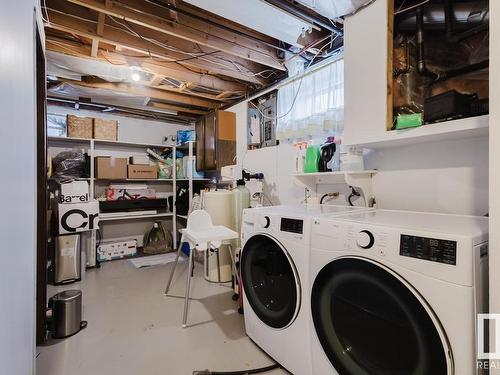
[(395, 292), (274, 270)]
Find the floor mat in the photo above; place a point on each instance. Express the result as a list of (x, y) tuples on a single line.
[(154, 260)]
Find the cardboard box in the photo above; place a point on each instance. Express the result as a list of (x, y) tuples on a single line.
[(105, 129), (142, 171), (140, 160), (74, 192), (111, 168), (78, 217), (129, 194), (116, 250), (80, 127)]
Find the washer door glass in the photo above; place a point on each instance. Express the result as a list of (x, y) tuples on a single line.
[(270, 281), (369, 322)]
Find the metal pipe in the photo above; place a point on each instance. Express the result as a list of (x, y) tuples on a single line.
[(449, 17), (136, 112), (421, 65), (460, 15), (284, 5), (464, 70)]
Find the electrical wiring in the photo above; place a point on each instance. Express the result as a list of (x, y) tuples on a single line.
[(295, 96), (160, 44), (46, 12), (128, 29), (400, 11)]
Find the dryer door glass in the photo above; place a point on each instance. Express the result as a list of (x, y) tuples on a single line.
[(369, 322), (270, 281)]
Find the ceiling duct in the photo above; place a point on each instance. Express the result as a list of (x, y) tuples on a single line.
[(260, 16), (333, 9)]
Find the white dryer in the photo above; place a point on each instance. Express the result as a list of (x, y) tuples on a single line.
[(274, 267), (397, 292)]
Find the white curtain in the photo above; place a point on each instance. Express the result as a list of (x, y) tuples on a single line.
[(313, 106)]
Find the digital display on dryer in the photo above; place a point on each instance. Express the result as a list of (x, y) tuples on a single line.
[(292, 225), (431, 249)]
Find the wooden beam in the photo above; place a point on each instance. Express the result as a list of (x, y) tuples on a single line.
[(156, 80), (172, 107), (181, 90), (95, 48), (139, 90), (223, 94), (120, 38), (197, 23), (163, 70), (161, 25)]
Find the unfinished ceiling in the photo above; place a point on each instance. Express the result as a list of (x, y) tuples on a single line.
[(173, 58)]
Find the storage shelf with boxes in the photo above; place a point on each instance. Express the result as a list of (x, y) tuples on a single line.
[(127, 170)]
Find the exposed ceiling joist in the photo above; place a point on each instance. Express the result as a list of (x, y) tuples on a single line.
[(190, 34), (154, 94), (172, 107), (193, 20), (159, 69), (114, 36)]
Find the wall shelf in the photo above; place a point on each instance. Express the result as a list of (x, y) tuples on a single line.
[(447, 130), (325, 178)]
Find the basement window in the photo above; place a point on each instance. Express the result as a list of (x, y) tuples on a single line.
[(312, 106)]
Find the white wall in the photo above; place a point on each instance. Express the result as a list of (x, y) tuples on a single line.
[(130, 129), (18, 187), (494, 160), (449, 177)]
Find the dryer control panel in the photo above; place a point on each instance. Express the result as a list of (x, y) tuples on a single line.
[(292, 225), (432, 249)]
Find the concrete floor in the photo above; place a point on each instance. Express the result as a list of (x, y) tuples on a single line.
[(134, 329)]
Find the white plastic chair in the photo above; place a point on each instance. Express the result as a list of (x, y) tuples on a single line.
[(201, 234)]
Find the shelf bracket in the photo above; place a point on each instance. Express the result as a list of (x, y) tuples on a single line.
[(362, 182)]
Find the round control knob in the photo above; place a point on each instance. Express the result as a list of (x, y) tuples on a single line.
[(265, 222), (365, 239)]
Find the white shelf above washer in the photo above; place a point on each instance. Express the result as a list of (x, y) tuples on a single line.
[(311, 180)]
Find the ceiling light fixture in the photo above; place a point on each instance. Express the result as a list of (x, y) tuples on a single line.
[(136, 77), (135, 73)]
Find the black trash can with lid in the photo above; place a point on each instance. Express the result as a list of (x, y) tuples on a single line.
[(66, 313)]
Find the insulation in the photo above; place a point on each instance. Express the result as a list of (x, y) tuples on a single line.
[(334, 8), (71, 67), (109, 97)]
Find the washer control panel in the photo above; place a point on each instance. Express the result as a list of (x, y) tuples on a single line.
[(431, 249)]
